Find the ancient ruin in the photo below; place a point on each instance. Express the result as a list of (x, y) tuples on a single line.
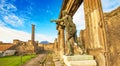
[(22, 47), (100, 35), (97, 45)]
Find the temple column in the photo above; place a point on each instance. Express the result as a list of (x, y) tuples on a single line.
[(87, 20), (58, 49), (96, 30), (61, 40), (33, 38), (33, 34), (55, 46)]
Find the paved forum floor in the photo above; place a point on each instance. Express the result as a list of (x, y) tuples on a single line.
[(35, 61)]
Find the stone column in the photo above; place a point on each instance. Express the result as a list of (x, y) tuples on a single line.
[(87, 20), (55, 46), (96, 30), (33, 38), (104, 33), (58, 49), (33, 34), (62, 40)]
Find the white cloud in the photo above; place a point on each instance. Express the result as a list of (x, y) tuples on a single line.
[(49, 12), (7, 15), (1, 23), (78, 18), (11, 7), (2, 1), (41, 37), (13, 20), (109, 5), (7, 35), (6, 8)]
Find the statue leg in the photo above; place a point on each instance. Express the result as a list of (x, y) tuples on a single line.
[(69, 47), (79, 44)]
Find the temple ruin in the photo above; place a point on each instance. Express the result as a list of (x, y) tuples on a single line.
[(100, 36)]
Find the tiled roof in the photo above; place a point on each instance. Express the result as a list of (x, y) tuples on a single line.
[(4, 47)]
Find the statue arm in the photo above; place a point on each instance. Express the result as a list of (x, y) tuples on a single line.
[(57, 21)]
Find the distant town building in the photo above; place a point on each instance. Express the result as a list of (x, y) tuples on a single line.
[(16, 41), (5, 47)]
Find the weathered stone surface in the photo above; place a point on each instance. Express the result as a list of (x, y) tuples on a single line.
[(33, 34), (61, 40), (55, 45), (101, 38), (83, 63), (16, 41), (95, 30), (79, 60), (57, 60), (77, 50), (49, 46), (24, 48), (78, 57), (112, 20), (113, 33)]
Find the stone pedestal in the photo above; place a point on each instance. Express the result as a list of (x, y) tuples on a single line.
[(79, 60), (78, 57)]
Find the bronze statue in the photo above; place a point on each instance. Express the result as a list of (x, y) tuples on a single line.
[(67, 21)]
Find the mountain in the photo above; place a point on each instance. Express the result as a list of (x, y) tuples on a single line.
[(44, 42)]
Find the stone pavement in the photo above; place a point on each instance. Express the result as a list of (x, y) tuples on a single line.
[(57, 61), (35, 61)]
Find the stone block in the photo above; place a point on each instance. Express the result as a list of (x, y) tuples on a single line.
[(83, 63), (79, 60), (78, 57)]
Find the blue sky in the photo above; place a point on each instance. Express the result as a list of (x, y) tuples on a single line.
[(16, 17)]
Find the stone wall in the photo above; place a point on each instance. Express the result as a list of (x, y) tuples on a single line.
[(24, 48), (16, 41), (47, 47), (112, 20), (112, 26)]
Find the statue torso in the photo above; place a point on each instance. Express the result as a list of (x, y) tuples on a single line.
[(70, 26)]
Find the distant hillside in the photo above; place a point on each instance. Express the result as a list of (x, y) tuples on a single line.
[(44, 42)]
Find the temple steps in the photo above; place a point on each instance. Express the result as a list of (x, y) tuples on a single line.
[(79, 60)]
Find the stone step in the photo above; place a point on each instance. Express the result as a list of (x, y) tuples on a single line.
[(56, 60), (82, 63), (78, 57), (58, 63), (79, 60)]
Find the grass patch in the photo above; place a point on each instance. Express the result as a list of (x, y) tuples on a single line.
[(14, 60)]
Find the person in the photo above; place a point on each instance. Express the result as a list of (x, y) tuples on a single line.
[(70, 27)]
